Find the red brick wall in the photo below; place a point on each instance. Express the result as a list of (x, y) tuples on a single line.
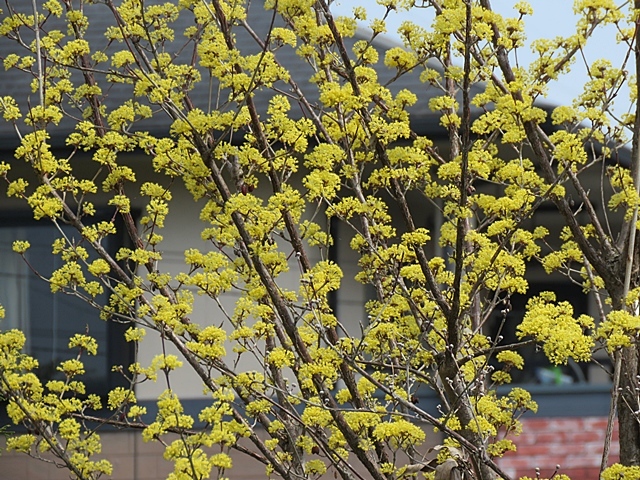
[(574, 443)]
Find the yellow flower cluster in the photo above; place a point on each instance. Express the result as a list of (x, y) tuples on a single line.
[(50, 409), (552, 324), (270, 185)]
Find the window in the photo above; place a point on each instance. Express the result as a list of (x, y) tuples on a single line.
[(537, 368), (49, 320)]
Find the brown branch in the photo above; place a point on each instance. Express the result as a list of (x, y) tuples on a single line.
[(602, 256), (453, 319), (41, 428), (141, 426), (612, 411), (472, 448)]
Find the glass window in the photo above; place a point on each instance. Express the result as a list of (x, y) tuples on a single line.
[(49, 320)]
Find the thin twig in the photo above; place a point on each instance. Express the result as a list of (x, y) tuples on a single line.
[(36, 29)]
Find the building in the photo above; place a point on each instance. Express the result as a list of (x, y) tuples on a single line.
[(573, 400)]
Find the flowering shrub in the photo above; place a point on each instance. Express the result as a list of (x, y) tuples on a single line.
[(272, 166)]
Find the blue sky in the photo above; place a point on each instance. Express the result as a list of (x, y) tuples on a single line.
[(550, 18)]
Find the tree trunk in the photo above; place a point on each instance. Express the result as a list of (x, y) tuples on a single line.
[(458, 395), (628, 416)]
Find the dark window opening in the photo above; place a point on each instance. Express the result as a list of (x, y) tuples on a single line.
[(49, 320), (537, 368)]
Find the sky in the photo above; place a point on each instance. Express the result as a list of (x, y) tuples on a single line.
[(550, 18)]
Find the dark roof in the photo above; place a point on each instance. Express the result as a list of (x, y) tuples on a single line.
[(17, 84)]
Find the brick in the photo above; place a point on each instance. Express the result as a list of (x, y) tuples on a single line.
[(579, 450), (533, 450), (582, 473), (534, 425), (517, 463), (566, 424), (584, 437), (574, 443), (543, 438), (594, 423), (572, 462)]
